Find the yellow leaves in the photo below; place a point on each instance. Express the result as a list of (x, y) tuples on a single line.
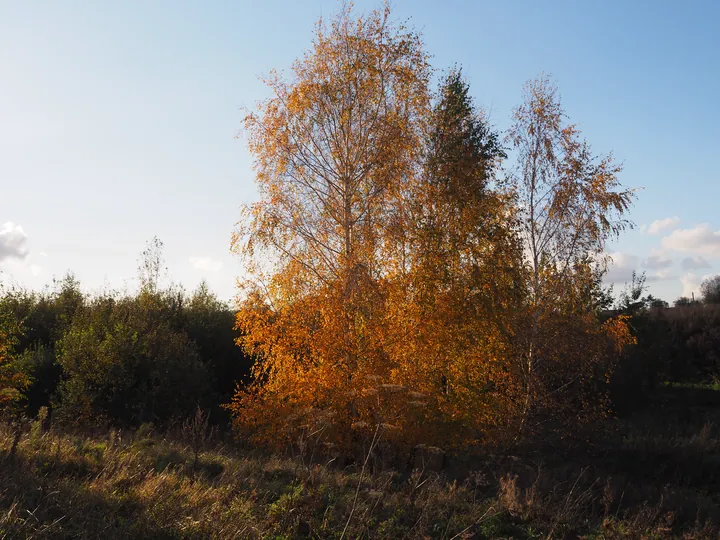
[(618, 330), (334, 149), (570, 203), (12, 380), (391, 293)]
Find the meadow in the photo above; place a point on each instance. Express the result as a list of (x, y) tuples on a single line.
[(653, 474)]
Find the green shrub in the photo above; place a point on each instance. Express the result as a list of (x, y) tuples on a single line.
[(125, 364)]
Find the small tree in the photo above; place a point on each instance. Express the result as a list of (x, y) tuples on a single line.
[(12, 380), (656, 303), (569, 204), (684, 301), (631, 298), (151, 266), (196, 432)]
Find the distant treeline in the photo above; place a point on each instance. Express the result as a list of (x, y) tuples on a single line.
[(675, 345)]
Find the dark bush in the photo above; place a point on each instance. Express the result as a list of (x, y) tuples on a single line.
[(679, 345), (124, 363)]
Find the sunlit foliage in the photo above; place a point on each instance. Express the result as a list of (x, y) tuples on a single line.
[(452, 305), (12, 380), (337, 149), (569, 204), (395, 276)]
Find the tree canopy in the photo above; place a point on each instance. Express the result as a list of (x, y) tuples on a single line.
[(395, 275), (710, 290)]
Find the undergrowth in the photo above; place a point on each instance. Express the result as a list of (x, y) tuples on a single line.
[(146, 485)]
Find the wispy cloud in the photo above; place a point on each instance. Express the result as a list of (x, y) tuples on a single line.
[(701, 240), (662, 224), (661, 275), (657, 262)]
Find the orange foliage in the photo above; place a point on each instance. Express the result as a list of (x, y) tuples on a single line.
[(336, 150), (12, 381), (384, 287), (569, 203)]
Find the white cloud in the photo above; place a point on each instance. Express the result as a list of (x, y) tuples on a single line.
[(662, 224), (621, 268), (657, 262), (694, 263), (35, 269), (690, 283), (701, 240), (206, 263), (12, 242), (661, 275)]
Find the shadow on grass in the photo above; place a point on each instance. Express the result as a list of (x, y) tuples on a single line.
[(47, 497)]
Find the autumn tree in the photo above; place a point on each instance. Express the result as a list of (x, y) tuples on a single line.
[(336, 148), (451, 306), (569, 204), (391, 277), (12, 380)]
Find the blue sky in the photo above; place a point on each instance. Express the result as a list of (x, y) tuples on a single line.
[(118, 121)]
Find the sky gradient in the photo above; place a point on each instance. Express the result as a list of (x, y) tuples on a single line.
[(118, 121)]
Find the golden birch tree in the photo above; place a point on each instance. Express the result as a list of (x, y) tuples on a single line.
[(569, 204), (335, 147), (390, 278)]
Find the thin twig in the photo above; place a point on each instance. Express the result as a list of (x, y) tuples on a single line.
[(375, 440), (479, 520)]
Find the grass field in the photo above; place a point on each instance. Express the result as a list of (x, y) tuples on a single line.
[(654, 475)]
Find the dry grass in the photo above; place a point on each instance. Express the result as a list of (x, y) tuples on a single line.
[(66, 486), (146, 486)]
